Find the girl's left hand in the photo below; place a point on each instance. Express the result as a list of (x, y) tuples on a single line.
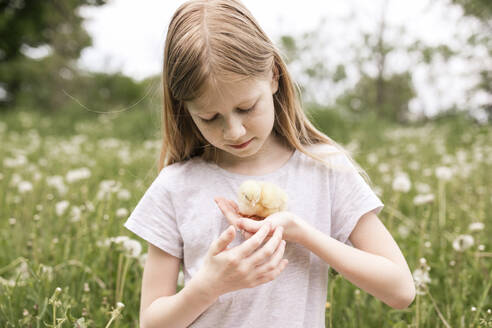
[(287, 220)]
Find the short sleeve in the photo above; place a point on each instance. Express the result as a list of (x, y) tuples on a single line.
[(154, 219), (351, 198)]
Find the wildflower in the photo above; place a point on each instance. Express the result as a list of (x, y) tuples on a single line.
[(463, 242), (12, 221), (24, 186), (421, 277), (141, 259), (403, 231), (423, 199), (19, 160), (476, 226), (473, 309), (123, 194), (86, 287), (121, 212), (107, 187), (372, 158), (444, 173), (75, 214), (56, 182), (131, 247), (481, 247), (422, 188), (402, 183), (78, 174), (383, 167), (427, 244), (61, 207)]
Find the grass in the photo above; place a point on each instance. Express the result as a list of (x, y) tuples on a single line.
[(56, 232)]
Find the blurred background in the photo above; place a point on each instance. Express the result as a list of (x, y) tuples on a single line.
[(404, 86), (404, 61)]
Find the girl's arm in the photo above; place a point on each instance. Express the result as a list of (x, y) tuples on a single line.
[(375, 263), (160, 305)]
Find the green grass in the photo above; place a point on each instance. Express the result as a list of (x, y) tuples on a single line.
[(43, 247)]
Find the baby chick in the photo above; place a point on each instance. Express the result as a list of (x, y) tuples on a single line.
[(258, 199)]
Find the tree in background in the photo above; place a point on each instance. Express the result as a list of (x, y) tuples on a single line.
[(29, 27)]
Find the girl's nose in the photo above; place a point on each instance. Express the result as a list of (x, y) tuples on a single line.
[(233, 129)]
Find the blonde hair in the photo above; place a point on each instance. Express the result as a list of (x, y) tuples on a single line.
[(208, 40)]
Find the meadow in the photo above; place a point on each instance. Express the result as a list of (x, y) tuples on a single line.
[(68, 183)]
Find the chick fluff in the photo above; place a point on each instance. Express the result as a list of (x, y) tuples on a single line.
[(259, 199)]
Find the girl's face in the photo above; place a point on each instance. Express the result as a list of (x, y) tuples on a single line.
[(236, 113)]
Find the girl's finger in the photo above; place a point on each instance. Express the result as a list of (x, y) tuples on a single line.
[(250, 245), (250, 225), (274, 262), (265, 253), (227, 210)]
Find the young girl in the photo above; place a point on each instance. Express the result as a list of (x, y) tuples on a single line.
[(231, 114)]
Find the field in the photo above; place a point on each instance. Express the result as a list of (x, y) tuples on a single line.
[(68, 183)]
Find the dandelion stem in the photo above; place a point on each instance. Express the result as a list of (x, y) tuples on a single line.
[(118, 277), (122, 284), (435, 307)]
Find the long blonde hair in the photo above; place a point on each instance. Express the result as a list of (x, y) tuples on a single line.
[(208, 40)]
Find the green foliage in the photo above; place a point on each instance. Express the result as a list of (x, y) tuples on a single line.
[(56, 24), (387, 97)]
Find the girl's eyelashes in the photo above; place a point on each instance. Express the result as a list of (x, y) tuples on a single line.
[(242, 111)]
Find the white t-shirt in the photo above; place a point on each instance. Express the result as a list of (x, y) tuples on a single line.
[(178, 214)]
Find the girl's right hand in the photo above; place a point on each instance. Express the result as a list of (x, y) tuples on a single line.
[(244, 266)]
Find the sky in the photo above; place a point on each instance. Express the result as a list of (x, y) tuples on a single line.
[(128, 36)]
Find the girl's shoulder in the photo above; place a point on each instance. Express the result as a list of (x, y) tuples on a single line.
[(184, 169), (335, 158)]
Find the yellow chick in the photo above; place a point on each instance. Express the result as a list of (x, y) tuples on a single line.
[(258, 199)]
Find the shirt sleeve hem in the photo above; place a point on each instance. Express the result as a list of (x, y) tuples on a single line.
[(152, 238), (347, 229)]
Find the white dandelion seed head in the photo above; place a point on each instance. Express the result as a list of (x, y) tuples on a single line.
[(476, 226), (402, 183), (444, 173), (78, 174), (24, 187), (422, 199), (61, 207), (121, 212), (463, 242)]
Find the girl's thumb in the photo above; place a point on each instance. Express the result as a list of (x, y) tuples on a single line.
[(225, 238)]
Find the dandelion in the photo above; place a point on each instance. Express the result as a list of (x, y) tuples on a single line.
[(61, 207), (116, 313), (12, 221), (24, 187), (423, 199), (422, 188), (141, 259), (121, 212), (78, 174), (107, 187), (444, 173), (383, 167), (473, 309), (403, 231), (427, 244), (421, 279), (123, 194), (402, 183), (463, 242), (476, 226), (372, 158), (75, 214), (18, 161), (56, 182), (481, 247)]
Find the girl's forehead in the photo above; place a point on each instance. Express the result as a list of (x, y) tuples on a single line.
[(220, 93)]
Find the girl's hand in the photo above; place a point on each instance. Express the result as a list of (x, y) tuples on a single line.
[(287, 220), (244, 266)]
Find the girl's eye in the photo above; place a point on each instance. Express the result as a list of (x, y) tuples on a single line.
[(242, 111)]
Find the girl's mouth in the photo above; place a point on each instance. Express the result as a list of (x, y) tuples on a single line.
[(242, 145)]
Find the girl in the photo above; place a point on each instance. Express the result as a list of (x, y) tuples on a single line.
[(230, 114)]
